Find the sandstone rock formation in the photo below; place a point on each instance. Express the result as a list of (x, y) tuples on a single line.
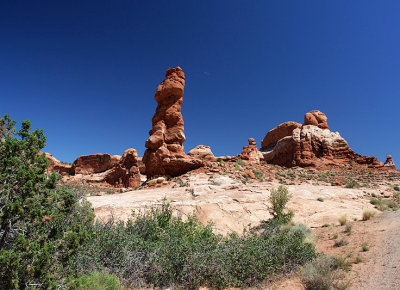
[(165, 154), (126, 172), (202, 152), (389, 162), (251, 152), (316, 118), (279, 132), (312, 144), (58, 166), (94, 163), (114, 170)]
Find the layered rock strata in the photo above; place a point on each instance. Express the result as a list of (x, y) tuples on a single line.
[(251, 152), (311, 144)]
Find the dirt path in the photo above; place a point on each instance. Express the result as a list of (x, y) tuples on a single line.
[(381, 270)]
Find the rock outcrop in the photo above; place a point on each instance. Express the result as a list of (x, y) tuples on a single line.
[(251, 152), (316, 118), (165, 154), (94, 163), (126, 172), (279, 132), (313, 144), (113, 170), (58, 166), (389, 162), (202, 152)]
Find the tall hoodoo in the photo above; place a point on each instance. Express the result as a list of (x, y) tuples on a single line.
[(165, 154)]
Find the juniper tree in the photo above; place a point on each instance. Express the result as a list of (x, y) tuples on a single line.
[(41, 225)]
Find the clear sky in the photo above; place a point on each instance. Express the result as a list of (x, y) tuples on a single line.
[(86, 71)]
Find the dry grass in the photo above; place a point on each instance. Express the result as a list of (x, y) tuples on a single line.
[(367, 214)]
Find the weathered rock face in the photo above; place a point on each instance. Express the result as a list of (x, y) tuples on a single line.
[(389, 162), (316, 118), (314, 145), (165, 154), (251, 152), (95, 163), (57, 166), (202, 152), (279, 132), (126, 172)]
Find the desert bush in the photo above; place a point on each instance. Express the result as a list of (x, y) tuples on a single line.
[(343, 220), (352, 184), (320, 199), (364, 248), (97, 281), (157, 249), (258, 174), (367, 214), (241, 162), (319, 273), (348, 229), (41, 225), (384, 204), (279, 199), (340, 243), (397, 188)]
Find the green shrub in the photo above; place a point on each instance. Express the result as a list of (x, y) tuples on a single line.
[(156, 249), (320, 199), (319, 274), (364, 248), (241, 162), (397, 188), (258, 174), (97, 281), (237, 166), (352, 184), (278, 199), (384, 204), (41, 225)]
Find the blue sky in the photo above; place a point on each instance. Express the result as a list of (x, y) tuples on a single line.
[(86, 71)]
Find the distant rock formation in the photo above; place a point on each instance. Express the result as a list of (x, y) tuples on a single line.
[(94, 163), (202, 152), (311, 144), (316, 118), (389, 162), (126, 172), (165, 154), (114, 170), (58, 166), (251, 152), (279, 132)]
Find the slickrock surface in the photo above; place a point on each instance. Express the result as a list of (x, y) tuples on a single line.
[(312, 144), (232, 206), (165, 154)]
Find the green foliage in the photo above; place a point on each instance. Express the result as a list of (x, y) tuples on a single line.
[(384, 204), (160, 250), (320, 199), (320, 273), (241, 162), (364, 248), (41, 226), (352, 184), (258, 174), (97, 281), (278, 199), (237, 166), (397, 188)]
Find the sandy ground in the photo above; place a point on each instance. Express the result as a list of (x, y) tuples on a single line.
[(233, 206)]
